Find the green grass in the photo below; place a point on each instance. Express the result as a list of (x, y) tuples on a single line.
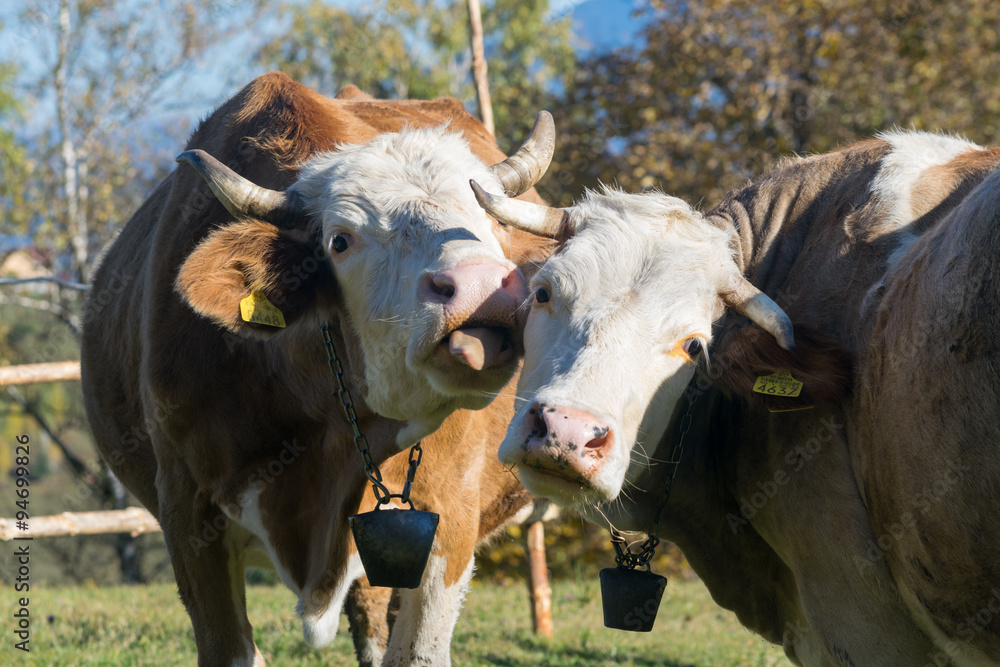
[(147, 626)]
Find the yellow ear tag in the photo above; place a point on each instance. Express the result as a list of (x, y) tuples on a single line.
[(257, 309), (778, 384)]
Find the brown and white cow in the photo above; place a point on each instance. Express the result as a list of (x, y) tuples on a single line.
[(861, 531), (230, 430)]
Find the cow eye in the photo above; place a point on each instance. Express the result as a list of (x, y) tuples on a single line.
[(340, 242), (692, 347), (542, 295)]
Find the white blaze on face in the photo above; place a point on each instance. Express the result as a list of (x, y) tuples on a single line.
[(415, 258), (618, 317)]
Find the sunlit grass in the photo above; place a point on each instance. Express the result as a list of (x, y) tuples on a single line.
[(147, 626)]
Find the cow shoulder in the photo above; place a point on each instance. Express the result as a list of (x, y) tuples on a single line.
[(276, 123), (743, 353), (252, 259)]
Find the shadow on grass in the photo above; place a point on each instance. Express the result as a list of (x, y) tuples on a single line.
[(556, 655)]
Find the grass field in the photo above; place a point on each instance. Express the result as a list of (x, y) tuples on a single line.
[(147, 626)]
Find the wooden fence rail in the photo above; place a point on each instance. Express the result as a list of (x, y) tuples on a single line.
[(33, 373), (134, 520)]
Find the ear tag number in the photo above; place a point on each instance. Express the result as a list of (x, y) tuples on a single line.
[(778, 384), (258, 310)]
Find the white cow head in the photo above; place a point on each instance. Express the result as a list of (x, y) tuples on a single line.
[(421, 281), (619, 316)]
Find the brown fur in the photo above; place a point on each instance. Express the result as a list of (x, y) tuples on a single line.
[(188, 414), (931, 381), (817, 361), (245, 257)]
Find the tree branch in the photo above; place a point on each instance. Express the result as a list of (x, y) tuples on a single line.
[(64, 316)]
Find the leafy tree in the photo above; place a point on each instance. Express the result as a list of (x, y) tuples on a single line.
[(74, 169), (720, 89), (104, 64), (13, 157), (420, 49)]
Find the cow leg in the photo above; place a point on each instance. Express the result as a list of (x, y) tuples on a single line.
[(422, 632), (207, 551), (367, 609)]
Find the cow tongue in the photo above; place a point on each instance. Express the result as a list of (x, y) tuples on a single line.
[(477, 347)]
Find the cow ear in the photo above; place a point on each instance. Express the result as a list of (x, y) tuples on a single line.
[(745, 353), (239, 269)]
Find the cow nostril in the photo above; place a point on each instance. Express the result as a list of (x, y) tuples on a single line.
[(539, 429), (600, 438), (443, 286)]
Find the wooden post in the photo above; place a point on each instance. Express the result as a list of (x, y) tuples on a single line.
[(134, 520), (538, 581), (479, 66), (31, 373)]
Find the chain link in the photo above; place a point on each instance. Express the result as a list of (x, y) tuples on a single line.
[(382, 493), (623, 553)]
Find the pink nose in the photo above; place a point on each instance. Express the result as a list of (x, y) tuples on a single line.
[(474, 283), (484, 294), (481, 314), (566, 442)]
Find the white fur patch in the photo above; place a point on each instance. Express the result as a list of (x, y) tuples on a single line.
[(427, 616), (405, 201), (911, 154), (370, 653), (250, 518), (320, 627)]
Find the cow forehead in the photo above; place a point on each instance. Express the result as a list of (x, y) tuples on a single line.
[(627, 243), (405, 182), (645, 272)]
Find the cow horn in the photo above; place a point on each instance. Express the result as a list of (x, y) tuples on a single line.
[(241, 197), (523, 215), (747, 300), (528, 163)]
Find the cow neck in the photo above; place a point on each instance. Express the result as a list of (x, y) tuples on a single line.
[(623, 553), (372, 472), (774, 217), (770, 219)]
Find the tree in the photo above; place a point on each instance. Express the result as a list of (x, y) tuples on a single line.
[(106, 63), (420, 49), (720, 89), (13, 158), (87, 159)]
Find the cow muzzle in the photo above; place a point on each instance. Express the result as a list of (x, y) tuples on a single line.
[(480, 322), (560, 442)]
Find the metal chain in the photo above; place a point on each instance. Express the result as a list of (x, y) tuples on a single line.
[(382, 493), (623, 553)]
